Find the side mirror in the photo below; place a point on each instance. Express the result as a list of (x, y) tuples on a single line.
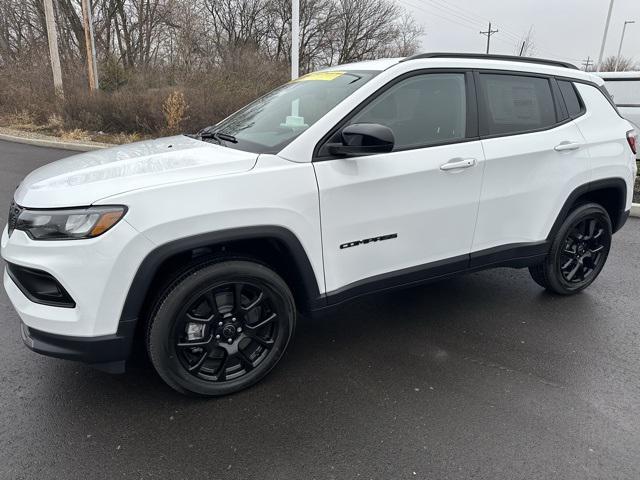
[(363, 139)]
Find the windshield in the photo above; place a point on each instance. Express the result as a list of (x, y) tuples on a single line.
[(624, 92), (276, 119)]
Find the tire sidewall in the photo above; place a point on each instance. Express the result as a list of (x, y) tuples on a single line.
[(554, 277), (162, 350)]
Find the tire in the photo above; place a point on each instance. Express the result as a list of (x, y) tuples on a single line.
[(578, 252), (220, 327)]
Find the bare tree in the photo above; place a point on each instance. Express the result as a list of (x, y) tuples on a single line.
[(22, 29), (408, 38), (186, 36), (526, 47), (624, 64)]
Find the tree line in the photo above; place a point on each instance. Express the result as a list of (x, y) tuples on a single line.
[(199, 35)]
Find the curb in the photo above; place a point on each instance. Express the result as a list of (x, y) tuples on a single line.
[(41, 142), (635, 210)]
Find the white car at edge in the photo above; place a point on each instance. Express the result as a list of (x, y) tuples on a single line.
[(352, 180), (624, 88)]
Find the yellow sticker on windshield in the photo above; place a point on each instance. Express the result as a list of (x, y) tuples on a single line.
[(322, 76)]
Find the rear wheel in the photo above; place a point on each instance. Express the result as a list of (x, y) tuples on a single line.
[(221, 327), (578, 253)]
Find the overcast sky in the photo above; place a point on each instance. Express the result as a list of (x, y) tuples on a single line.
[(567, 30)]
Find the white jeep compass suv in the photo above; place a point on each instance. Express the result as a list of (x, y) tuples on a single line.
[(352, 180)]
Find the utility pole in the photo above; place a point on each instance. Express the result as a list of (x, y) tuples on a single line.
[(295, 38), (627, 22), (587, 64), (522, 48), (488, 33), (92, 67), (52, 36), (604, 36)]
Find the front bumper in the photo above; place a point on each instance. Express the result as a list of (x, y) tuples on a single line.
[(96, 274), (107, 352)]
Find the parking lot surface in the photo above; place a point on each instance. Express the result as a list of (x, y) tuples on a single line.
[(482, 376)]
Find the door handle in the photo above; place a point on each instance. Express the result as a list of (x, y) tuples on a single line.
[(457, 163), (565, 146)]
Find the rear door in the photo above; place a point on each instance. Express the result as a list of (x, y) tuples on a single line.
[(534, 157), (388, 218)]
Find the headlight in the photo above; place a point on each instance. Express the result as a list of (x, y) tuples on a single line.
[(69, 223)]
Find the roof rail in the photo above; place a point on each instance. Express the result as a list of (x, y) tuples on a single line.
[(511, 58)]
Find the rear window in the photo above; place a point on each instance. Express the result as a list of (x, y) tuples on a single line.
[(517, 104), (625, 93), (571, 99)]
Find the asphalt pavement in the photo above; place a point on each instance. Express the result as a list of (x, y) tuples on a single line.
[(483, 376)]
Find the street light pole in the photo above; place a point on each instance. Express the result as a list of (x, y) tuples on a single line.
[(295, 37), (604, 36), (627, 22)]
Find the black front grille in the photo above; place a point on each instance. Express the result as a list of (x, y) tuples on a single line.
[(14, 212)]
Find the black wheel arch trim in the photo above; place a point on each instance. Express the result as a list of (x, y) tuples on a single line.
[(615, 182), (145, 274)]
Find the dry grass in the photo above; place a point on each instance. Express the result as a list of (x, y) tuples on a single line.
[(117, 138), (175, 111), (76, 134), (148, 104)]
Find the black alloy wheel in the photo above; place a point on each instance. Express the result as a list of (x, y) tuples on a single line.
[(226, 332), (578, 251), (585, 248), (221, 327)]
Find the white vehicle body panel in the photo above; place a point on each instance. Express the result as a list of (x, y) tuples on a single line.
[(97, 274), (276, 192), (526, 183), (84, 178), (432, 212), (607, 145)]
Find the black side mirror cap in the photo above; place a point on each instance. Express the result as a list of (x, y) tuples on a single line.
[(363, 139)]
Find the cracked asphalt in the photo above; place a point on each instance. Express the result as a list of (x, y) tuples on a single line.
[(483, 376)]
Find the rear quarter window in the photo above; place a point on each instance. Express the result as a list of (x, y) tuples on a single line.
[(571, 98)]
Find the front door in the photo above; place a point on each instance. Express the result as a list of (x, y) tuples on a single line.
[(393, 218)]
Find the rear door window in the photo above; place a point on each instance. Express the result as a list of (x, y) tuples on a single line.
[(517, 103)]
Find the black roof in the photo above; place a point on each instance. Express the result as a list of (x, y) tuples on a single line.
[(511, 58)]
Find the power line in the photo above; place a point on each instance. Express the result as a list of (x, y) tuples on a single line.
[(488, 33), (438, 15), (587, 64), (451, 10), (475, 18)]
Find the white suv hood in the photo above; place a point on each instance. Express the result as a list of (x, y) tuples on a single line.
[(85, 178)]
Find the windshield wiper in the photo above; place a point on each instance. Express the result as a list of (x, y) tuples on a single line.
[(218, 136)]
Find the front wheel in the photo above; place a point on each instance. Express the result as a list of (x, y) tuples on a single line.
[(578, 252), (221, 327)]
